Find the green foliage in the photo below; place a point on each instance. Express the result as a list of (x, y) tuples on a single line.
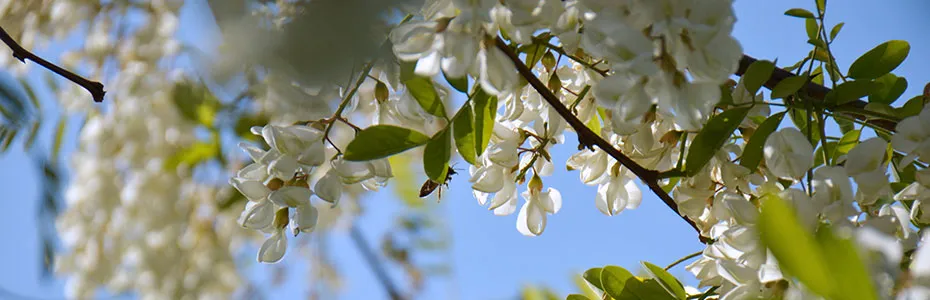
[(800, 13), (534, 53), (422, 89), (577, 297), (666, 280), (890, 88), (911, 108), (196, 103), (714, 134), (810, 25), (381, 141), (826, 264), (620, 284), (757, 74), (846, 143), (485, 109), (788, 86), (850, 91), (836, 30), (459, 84), (752, 152), (880, 60), (436, 156), (195, 154), (463, 132)]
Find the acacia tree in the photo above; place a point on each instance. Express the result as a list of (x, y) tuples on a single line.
[(785, 210)]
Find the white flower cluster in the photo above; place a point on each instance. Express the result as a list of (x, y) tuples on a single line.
[(278, 181)]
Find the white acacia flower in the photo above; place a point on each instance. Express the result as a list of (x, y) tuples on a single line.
[(788, 153), (305, 218), (257, 215), (593, 165), (488, 178), (618, 193), (329, 187), (505, 200), (912, 136), (273, 249), (866, 164), (496, 73), (625, 96), (531, 221), (291, 196)]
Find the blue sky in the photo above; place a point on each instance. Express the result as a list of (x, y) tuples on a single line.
[(490, 259)]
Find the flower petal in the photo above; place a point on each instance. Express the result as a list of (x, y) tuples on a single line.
[(273, 248)]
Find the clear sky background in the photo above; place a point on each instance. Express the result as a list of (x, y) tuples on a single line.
[(491, 260)]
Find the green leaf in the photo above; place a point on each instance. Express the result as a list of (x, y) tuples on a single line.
[(7, 138), (810, 25), (794, 246), (788, 86), (485, 109), (576, 297), (593, 276), (59, 136), (819, 44), (821, 5), (666, 280), (464, 133), (818, 154), (850, 275), (850, 91), (715, 133), (244, 124), (459, 84), (799, 118), (752, 152), (534, 53), (196, 103), (836, 30), (891, 88), (436, 156), (31, 135), (197, 153), (407, 69), (422, 89), (800, 13), (845, 125), (846, 143), (910, 108), (381, 141), (756, 75), (880, 60), (614, 281)]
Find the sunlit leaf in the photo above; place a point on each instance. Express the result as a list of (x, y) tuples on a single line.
[(756, 75), (800, 13), (381, 141), (422, 89), (485, 109), (846, 143), (436, 156), (891, 87), (788, 86), (850, 91), (795, 248), (714, 134), (850, 275), (880, 60), (459, 84), (836, 30), (464, 133), (666, 280), (752, 152)]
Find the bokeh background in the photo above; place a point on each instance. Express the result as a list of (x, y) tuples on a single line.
[(487, 257)]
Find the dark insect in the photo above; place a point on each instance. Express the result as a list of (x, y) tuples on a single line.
[(429, 186)]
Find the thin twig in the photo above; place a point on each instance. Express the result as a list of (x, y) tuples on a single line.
[(589, 139), (372, 259), (20, 53), (681, 260)]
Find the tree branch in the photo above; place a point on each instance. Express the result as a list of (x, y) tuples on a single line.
[(589, 139), (20, 53), (372, 259), (817, 93)]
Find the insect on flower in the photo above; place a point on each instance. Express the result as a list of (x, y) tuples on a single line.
[(429, 186)]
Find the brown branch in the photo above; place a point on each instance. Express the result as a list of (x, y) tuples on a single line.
[(589, 139), (817, 93), (20, 53)]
